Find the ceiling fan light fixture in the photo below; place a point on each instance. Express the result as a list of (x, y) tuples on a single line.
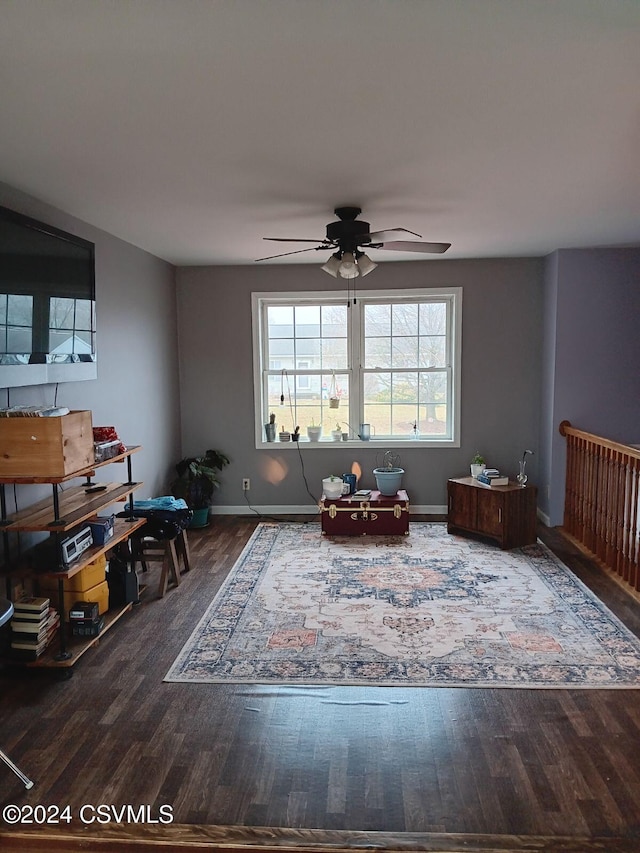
[(332, 265), (365, 264), (348, 267)]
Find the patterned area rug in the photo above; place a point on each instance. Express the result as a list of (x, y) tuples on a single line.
[(428, 609)]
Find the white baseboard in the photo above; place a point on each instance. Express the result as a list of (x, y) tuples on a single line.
[(544, 518), (308, 509)]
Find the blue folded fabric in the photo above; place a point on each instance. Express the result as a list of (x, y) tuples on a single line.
[(167, 502)]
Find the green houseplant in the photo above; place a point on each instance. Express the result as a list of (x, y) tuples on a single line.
[(477, 464), (196, 482)]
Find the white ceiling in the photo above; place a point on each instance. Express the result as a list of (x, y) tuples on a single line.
[(193, 128)]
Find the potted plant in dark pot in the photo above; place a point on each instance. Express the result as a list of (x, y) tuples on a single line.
[(196, 482)]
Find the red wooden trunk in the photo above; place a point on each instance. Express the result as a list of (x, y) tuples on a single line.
[(377, 516)]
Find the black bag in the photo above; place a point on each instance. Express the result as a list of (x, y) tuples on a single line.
[(123, 582), (161, 523)]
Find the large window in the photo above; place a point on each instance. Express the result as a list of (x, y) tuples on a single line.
[(391, 360)]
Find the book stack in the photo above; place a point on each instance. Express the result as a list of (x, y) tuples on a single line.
[(361, 495), (492, 477), (33, 626)]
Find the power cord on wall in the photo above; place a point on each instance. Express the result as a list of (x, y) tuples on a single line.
[(284, 380)]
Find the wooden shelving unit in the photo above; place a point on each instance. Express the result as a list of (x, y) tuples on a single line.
[(61, 513)]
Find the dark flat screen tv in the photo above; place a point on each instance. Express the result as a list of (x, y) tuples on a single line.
[(47, 303)]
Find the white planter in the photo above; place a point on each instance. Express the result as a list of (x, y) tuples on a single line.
[(332, 488), (477, 469), (314, 433)]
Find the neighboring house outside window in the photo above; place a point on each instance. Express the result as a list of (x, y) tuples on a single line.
[(392, 360)]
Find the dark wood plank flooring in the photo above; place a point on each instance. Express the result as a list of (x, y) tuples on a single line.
[(557, 767)]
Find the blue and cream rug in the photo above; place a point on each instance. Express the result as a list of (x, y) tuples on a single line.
[(428, 609)]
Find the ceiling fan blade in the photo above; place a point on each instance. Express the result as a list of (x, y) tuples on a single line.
[(295, 240), (297, 252), (389, 234), (413, 246)]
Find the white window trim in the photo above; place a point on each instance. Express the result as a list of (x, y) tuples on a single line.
[(258, 305)]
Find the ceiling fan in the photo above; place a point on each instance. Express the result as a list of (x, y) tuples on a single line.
[(349, 235)]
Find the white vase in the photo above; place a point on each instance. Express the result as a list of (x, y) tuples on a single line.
[(314, 433)]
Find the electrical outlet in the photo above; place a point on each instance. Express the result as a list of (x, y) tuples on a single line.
[(246, 484)]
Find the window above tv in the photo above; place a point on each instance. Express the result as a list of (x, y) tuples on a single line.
[(47, 303)]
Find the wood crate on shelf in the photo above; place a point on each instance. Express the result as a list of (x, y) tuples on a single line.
[(46, 447)]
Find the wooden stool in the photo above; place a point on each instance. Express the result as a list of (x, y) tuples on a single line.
[(167, 551)]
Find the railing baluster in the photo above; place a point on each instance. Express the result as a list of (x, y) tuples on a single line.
[(602, 497)]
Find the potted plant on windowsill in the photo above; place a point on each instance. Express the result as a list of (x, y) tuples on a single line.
[(314, 431), (196, 482)]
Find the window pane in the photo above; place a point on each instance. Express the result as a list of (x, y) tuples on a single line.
[(404, 320), (282, 349), (404, 388), (404, 420), (377, 388), (433, 318), (274, 384), (433, 403), (377, 352), (307, 321), (18, 340), (20, 311), (61, 313), (377, 320), (280, 321), (379, 416), (334, 353), (334, 321), (309, 348), (3, 308), (84, 311), (404, 352), (432, 351)]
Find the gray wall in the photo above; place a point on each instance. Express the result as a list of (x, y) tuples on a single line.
[(137, 386), (592, 349), (501, 376)]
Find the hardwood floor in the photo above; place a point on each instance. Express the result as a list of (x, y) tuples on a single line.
[(430, 769)]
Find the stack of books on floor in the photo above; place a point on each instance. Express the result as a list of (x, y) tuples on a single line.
[(492, 477), (33, 626)]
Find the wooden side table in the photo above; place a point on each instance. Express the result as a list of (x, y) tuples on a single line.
[(506, 514)]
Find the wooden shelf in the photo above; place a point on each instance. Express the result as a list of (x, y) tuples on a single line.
[(75, 507), (79, 645), (63, 510), (81, 472), (122, 530)]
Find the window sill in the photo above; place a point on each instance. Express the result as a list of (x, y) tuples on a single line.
[(375, 443)]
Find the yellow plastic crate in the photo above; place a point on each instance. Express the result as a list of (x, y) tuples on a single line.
[(99, 593)]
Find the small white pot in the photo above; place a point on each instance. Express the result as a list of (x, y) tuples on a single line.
[(332, 488), (314, 433), (477, 469)]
